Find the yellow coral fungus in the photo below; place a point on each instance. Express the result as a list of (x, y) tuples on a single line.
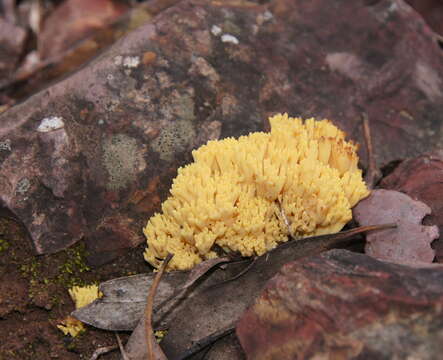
[(231, 194), (84, 295), (81, 296)]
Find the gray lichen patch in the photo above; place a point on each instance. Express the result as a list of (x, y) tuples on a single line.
[(5, 145), (174, 138), (23, 186), (122, 159)]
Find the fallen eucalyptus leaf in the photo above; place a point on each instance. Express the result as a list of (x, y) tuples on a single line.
[(209, 307), (411, 242), (124, 300)]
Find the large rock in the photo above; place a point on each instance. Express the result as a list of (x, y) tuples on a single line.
[(347, 306), (94, 154)]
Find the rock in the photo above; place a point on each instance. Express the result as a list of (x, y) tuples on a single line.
[(94, 154), (432, 12), (346, 305), (12, 41), (422, 179)]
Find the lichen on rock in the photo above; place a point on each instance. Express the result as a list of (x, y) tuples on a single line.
[(122, 160)]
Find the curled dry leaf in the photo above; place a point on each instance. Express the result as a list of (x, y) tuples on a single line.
[(411, 242), (124, 300), (422, 179)]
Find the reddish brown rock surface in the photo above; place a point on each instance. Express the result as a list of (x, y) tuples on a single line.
[(347, 306), (422, 179), (432, 12), (94, 154)]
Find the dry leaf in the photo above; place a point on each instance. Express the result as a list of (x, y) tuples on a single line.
[(422, 179), (75, 20), (209, 307), (411, 242)]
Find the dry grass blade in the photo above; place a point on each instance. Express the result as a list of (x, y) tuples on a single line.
[(154, 352), (122, 349), (102, 351), (373, 174), (332, 239)]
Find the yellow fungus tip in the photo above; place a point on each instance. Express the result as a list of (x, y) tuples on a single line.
[(235, 192)]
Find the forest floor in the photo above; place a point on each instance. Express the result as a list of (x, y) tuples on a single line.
[(34, 297)]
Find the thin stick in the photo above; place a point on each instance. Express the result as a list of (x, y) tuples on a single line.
[(235, 277), (206, 341), (122, 349), (285, 219), (198, 274), (336, 237), (150, 305), (103, 350), (373, 173)]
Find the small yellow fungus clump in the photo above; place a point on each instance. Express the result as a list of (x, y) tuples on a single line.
[(85, 295), (241, 194), (71, 326), (81, 296)]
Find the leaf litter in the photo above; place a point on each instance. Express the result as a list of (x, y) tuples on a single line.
[(209, 302)]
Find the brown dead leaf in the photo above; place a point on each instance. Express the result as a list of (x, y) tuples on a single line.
[(124, 300), (73, 21), (12, 42), (411, 242), (422, 179), (211, 306)]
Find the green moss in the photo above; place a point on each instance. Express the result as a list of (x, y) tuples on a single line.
[(4, 245), (75, 264), (69, 273), (31, 269)]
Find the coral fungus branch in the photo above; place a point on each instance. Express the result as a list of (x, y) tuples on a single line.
[(229, 196)]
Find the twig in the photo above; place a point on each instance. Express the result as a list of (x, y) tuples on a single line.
[(122, 349), (103, 350), (208, 340), (241, 273), (337, 237), (285, 219), (373, 173), (197, 273), (149, 307)]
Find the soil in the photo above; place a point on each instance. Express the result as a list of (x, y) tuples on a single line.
[(34, 297)]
